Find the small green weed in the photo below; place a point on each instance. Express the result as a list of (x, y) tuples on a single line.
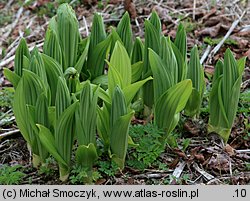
[(215, 41), (47, 168), (10, 175), (244, 102), (150, 146), (80, 176), (247, 166), (6, 97), (109, 168)]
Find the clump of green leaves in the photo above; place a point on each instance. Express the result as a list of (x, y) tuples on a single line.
[(224, 96), (10, 175)]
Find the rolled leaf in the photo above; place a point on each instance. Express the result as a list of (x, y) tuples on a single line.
[(52, 46), (68, 35), (181, 41), (125, 32), (137, 51), (22, 50), (196, 74), (121, 62)]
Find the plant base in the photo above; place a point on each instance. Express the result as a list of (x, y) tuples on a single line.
[(224, 133)]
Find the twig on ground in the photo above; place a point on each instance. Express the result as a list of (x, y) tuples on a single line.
[(19, 12), (218, 46), (243, 151), (8, 5), (194, 7), (85, 25), (150, 176), (12, 48), (203, 172), (178, 170), (2, 135), (8, 60), (204, 56)]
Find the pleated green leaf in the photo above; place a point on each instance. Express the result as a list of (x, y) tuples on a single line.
[(86, 155), (125, 32), (62, 100), (168, 57), (181, 63), (137, 51), (51, 45), (131, 90), (114, 38), (53, 72), (68, 34), (103, 124), (224, 96), (218, 70), (162, 76), (230, 75), (170, 103), (155, 21), (96, 58), (28, 91), (119, 139), (12, 77), (101, 80), (64, 133), (121, 62), (42, 117), (118, 106), (22, 50), (82, 58), (37, 65), (196, 74), (98, 33), (152, 40), (137, 69), (181, 41), (87, 115), (26, 62), (114, 79), (193, 105), (48, 141)]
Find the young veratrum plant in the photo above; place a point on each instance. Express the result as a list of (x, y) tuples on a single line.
[(30, 107), (115, 114), (86, 119), (170, 98), (62, 40), (224, 97), (59, 142), (195, 72), (152, 40)]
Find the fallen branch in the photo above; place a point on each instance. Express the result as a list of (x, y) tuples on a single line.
[(243, 151), (9, 133), (8, 60), (203, 172), (218, 46), (19, 12), (204, 56), (178, 170)]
